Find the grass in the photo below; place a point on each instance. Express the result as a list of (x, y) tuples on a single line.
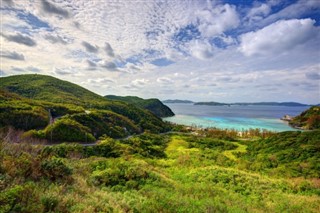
[(240, 149), (188, 179)]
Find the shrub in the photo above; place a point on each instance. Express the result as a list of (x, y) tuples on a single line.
[(66, 129), (120, 174), (49, 203), (55, 169)]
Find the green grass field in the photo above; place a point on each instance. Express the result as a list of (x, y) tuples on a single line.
[(196, 174)]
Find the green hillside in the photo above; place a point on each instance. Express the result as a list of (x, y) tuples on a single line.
[(173, 172), (289, 153), (153, 105), (29, 102), (309, 119), (48, 88)]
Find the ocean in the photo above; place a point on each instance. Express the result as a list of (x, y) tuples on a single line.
[(234, 117)]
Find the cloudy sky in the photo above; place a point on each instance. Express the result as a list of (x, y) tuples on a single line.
[(219, 50)]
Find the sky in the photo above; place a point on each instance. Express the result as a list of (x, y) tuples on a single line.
[(218, 50)]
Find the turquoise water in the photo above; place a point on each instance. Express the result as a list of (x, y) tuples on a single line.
[(235, 117)]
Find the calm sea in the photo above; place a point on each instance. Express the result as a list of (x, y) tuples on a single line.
[(234, 117)]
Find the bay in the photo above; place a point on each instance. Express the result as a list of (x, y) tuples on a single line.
[(236, 117)]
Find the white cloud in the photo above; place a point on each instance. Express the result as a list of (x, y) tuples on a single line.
[(165, 80), (257, 13), (261, 10), (214, 22), (201, 49), (140, 82), (108, 65), (278, 37), (109, 49), (101, 81), (295, 10), (127, 36)]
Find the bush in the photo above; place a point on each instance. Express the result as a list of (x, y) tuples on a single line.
[(120, 174), (66, 129), (49, 203), (55, 169), (19, 198)]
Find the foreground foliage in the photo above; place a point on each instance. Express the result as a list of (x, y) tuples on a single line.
[(174, 172)]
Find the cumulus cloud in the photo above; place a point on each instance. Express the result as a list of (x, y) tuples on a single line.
[(261, 10), (89, 47), (313, 75), (91, 64), (17, 69), (228, 79), (51, 8), (108, 65), (165, 80), (140, 82), (8, 2), (109, 49), (101, 81), (12, 55), (214, 22), (295, 10), (201, 49), (21, 39), (258, 13), (55, 39), (64, 71), (139, 33), (33, 69), (26, 69), (278, 37)]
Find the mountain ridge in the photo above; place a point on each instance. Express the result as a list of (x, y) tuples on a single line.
[(153, 105)]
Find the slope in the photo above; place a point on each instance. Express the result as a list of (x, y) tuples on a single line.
[(153, 105), (309, 119), (77, 109)]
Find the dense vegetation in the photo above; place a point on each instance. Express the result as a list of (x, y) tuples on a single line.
[(309, 119), (153, 105), (61, 111), (173, 172)]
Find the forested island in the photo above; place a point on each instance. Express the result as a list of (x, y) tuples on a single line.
[(213, 103)]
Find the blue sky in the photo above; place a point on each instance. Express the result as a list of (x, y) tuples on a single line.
[(220, 50)]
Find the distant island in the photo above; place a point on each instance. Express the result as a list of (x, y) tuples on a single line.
[(177, 101), (272, 104), (213, 103)]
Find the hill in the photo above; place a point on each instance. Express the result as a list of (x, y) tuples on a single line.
[(278, 173), (309, 119), (153, 105), (176, 101), (62, 111), (291, 154), (48, 88)]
